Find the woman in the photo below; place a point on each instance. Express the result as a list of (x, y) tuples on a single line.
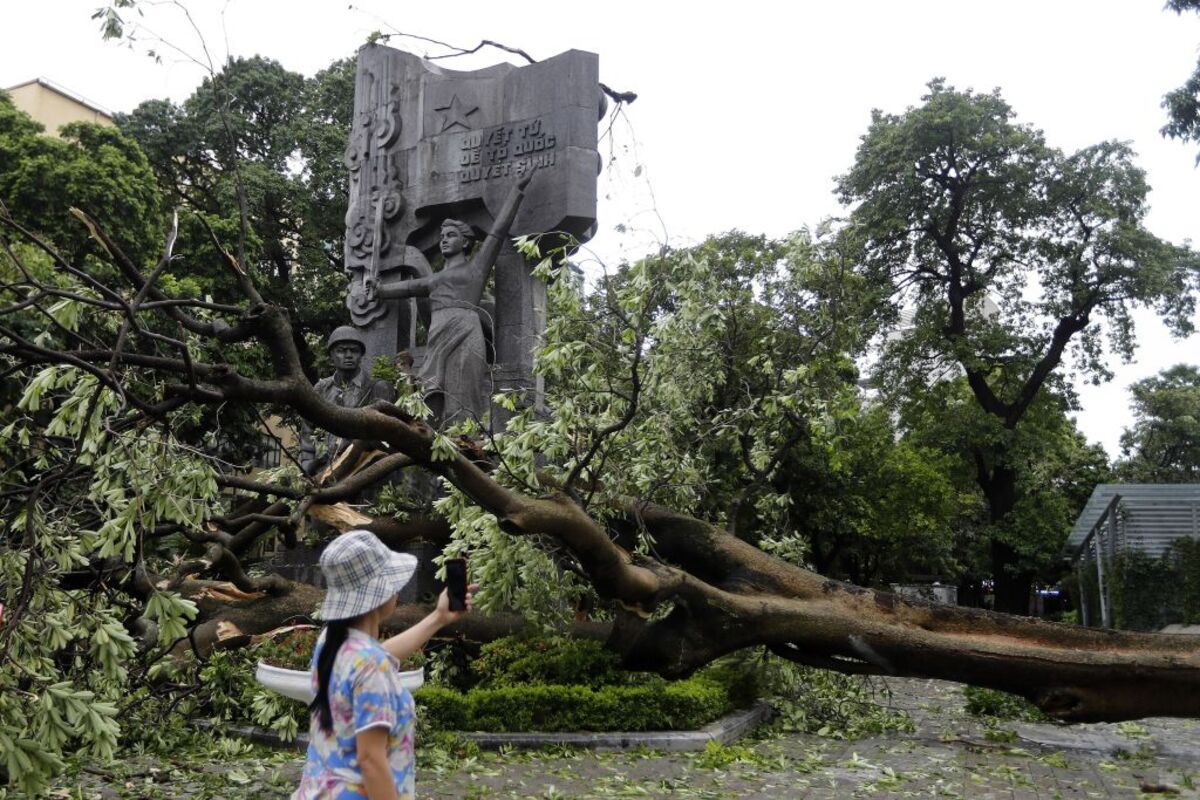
[(454, 371), (361, 734)]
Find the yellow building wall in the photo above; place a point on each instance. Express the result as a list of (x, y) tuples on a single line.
[(54, 109)]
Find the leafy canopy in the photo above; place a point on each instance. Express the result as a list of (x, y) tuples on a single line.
[(1163, 445), (91, 167), (1008, 261)]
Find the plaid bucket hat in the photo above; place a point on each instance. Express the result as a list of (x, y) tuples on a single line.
[(361, 573)]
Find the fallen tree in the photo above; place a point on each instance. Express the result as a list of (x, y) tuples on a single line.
[(111, 381)]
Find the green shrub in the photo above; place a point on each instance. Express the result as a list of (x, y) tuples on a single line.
[(1146, 593), (693, 703), (558, 660), (1001, 705), (658, 705), (739, 675), (445, 708), (550, 683)]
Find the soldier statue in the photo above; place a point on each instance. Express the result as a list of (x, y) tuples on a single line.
[(349, 386)]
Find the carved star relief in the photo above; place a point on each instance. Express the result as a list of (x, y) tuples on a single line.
[(454, 113)]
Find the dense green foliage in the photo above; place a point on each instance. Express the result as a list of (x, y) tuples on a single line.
[(825, 703), (1149, 594), (734, 357), (1183, 104), (91, 167), (78, 655), (258, 136), (92, 506), (83, 632), (1056, 472), (1016, 262), (998, 705), (1163, 445), (655, 705), (517, 661)]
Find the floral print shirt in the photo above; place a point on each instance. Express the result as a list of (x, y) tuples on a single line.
[(364, 692)]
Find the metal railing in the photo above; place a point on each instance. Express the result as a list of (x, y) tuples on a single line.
[(1097, 542)]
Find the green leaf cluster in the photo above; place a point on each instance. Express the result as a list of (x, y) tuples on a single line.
[(1163, 445), (828, 704), (997, 705), (81, 633), (87, 166), (256, 133)]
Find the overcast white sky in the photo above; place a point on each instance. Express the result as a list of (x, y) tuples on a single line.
[(746, 111)]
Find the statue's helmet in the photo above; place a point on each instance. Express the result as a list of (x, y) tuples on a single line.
[(346, 333)]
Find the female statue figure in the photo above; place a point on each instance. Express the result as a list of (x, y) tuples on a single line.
[(454, 371)]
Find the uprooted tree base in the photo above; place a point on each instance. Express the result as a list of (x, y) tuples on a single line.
[(704, 594)]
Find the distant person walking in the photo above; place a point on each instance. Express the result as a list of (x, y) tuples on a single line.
[(362, 729)]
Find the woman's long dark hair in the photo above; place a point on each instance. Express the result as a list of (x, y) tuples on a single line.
[(335, 634)]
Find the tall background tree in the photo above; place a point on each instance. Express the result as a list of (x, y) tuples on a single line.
[(1012, 256), (1183, 104), (257, 138), (90, 166)]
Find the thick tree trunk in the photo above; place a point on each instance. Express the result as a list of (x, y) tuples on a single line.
[(736, 596), (1011, 585)]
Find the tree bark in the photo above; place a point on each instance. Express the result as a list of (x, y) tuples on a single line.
[(1011, 584), (256, 616), (1072, 673)]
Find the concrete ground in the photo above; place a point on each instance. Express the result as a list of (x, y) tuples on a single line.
[(950, 754)]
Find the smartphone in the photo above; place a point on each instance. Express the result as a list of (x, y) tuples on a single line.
[(456, 582)]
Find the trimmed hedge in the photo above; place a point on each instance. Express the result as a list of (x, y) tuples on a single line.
[(554, 683), (660, 705), (518, 660)]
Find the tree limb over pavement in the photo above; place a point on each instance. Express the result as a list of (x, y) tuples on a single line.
[(697, 594)]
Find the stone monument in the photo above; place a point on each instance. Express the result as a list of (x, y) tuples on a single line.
[(430, 145), (454, 371)]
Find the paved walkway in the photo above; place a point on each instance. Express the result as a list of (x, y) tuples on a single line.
[(948, 755)]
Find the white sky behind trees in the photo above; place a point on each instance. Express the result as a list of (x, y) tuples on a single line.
[(746, 111)]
